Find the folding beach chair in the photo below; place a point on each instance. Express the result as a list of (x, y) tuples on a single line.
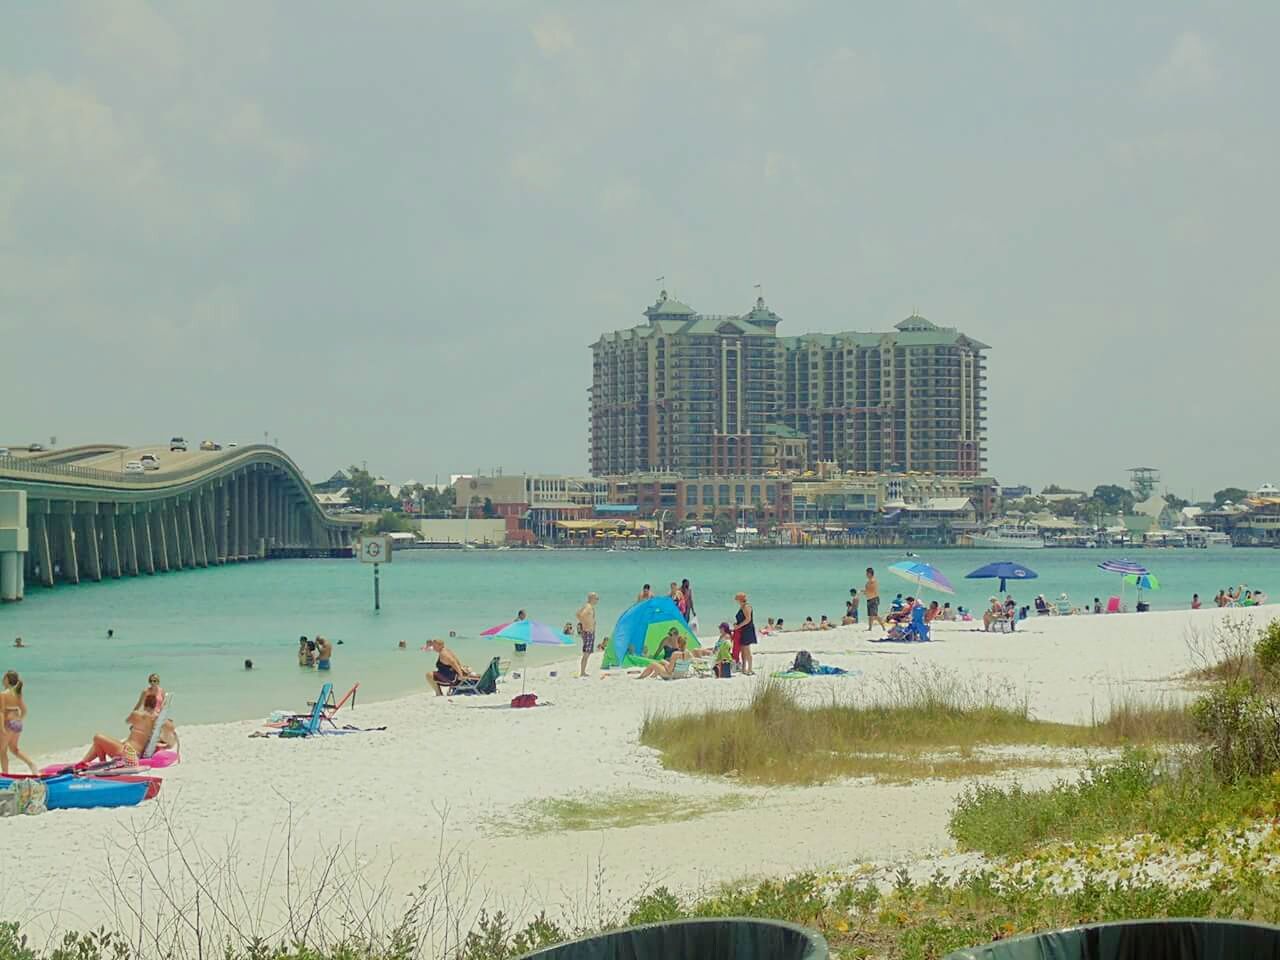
[(487, 682), (154, 739), (331, 708), (917, 630), (298, 727)]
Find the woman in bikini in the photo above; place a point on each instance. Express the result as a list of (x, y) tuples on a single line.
[(141, 723), (13, 709), (152, 689)]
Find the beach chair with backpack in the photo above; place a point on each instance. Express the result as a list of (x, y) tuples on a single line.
[(486, 683), (309, 726)]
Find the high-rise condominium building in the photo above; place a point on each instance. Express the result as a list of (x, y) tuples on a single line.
[(696, 394)]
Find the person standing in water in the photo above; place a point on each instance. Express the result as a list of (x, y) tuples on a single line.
[(13, 710), (587, 630), (871, 594), (324, 653), (746, 628)]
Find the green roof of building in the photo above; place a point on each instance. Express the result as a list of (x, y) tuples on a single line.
[(666, 307)]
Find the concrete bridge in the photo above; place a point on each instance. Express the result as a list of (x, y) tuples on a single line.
[(75, 514)]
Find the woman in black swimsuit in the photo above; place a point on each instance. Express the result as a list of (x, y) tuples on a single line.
[(449, 669), (746, 632)]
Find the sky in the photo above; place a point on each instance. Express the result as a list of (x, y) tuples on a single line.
[(388, 232)]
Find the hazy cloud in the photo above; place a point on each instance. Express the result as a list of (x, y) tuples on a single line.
[(1188, 68), (347, 226)]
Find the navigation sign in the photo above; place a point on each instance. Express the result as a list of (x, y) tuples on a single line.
[(376, 549)]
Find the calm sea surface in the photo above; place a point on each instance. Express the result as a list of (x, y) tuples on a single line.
[(196, 628)]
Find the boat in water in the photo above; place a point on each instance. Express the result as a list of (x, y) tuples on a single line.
[(1008, 536)]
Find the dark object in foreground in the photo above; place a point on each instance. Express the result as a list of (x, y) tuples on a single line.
[(1139, 940), (732, 939)]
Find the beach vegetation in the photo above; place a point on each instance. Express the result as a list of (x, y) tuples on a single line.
[(916, 726), (608, 811), (1226, 773)]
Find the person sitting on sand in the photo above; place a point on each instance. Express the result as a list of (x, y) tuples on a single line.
[(141, 722), (152, 689), (449, 669), (778, 627), (933, 613), (808, 624), (903, 613), (850, 614), (896, 605), (666, 669), (1195, 601), (670, 643), (825, 624), (994, 613), (770, 628), (948, 612)]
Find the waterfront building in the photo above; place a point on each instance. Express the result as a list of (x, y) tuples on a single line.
[(695, 394), (529, 503), (671, 498)]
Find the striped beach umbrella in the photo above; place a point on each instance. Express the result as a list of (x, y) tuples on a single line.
[(922, 575), (1124, 567)]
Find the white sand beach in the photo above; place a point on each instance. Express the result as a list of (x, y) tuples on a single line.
[(450, 778)]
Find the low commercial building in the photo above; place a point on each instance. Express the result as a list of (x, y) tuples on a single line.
[(473, 530), (530, 504), (674, 499)]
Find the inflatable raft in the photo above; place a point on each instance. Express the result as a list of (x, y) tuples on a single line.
[(69, 792)]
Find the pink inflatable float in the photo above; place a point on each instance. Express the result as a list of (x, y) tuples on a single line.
[(117, 767)]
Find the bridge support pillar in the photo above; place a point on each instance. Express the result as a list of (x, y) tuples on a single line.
[(14, 539), (128, 534), (220, 521), (44, 555), (173, 534), (88, 548), (146, 543), (251, 514), (182, 520), (195, 529), (159, 540), (111, 540), (260, 491), (63, 522), (208, 505)]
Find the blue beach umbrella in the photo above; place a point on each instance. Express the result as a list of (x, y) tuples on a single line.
[(1003, 570)]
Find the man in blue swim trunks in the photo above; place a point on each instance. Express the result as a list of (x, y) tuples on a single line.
[(324, 651), (587, 630)]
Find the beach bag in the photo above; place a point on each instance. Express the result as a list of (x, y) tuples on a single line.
[(525, 700), (724, 669), (693, 624), (804, 662), (24, 797)]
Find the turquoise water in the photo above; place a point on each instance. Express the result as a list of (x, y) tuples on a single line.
[(195, 628)]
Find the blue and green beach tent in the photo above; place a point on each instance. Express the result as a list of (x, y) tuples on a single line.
[(638, 634)]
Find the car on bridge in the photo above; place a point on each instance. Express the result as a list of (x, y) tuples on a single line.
[(4, 451), (149, 461), (35, 448), (134, 466), (176, 444), (210, 445)]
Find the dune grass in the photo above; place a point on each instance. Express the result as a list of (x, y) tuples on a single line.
[(921, 726), (610, 810)]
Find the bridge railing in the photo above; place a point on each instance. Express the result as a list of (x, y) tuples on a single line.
[(154, 481)]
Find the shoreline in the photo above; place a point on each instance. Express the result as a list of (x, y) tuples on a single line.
[(455, 780)]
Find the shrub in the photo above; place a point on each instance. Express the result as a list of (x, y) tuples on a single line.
[(1267, 649), (1242, 730)]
